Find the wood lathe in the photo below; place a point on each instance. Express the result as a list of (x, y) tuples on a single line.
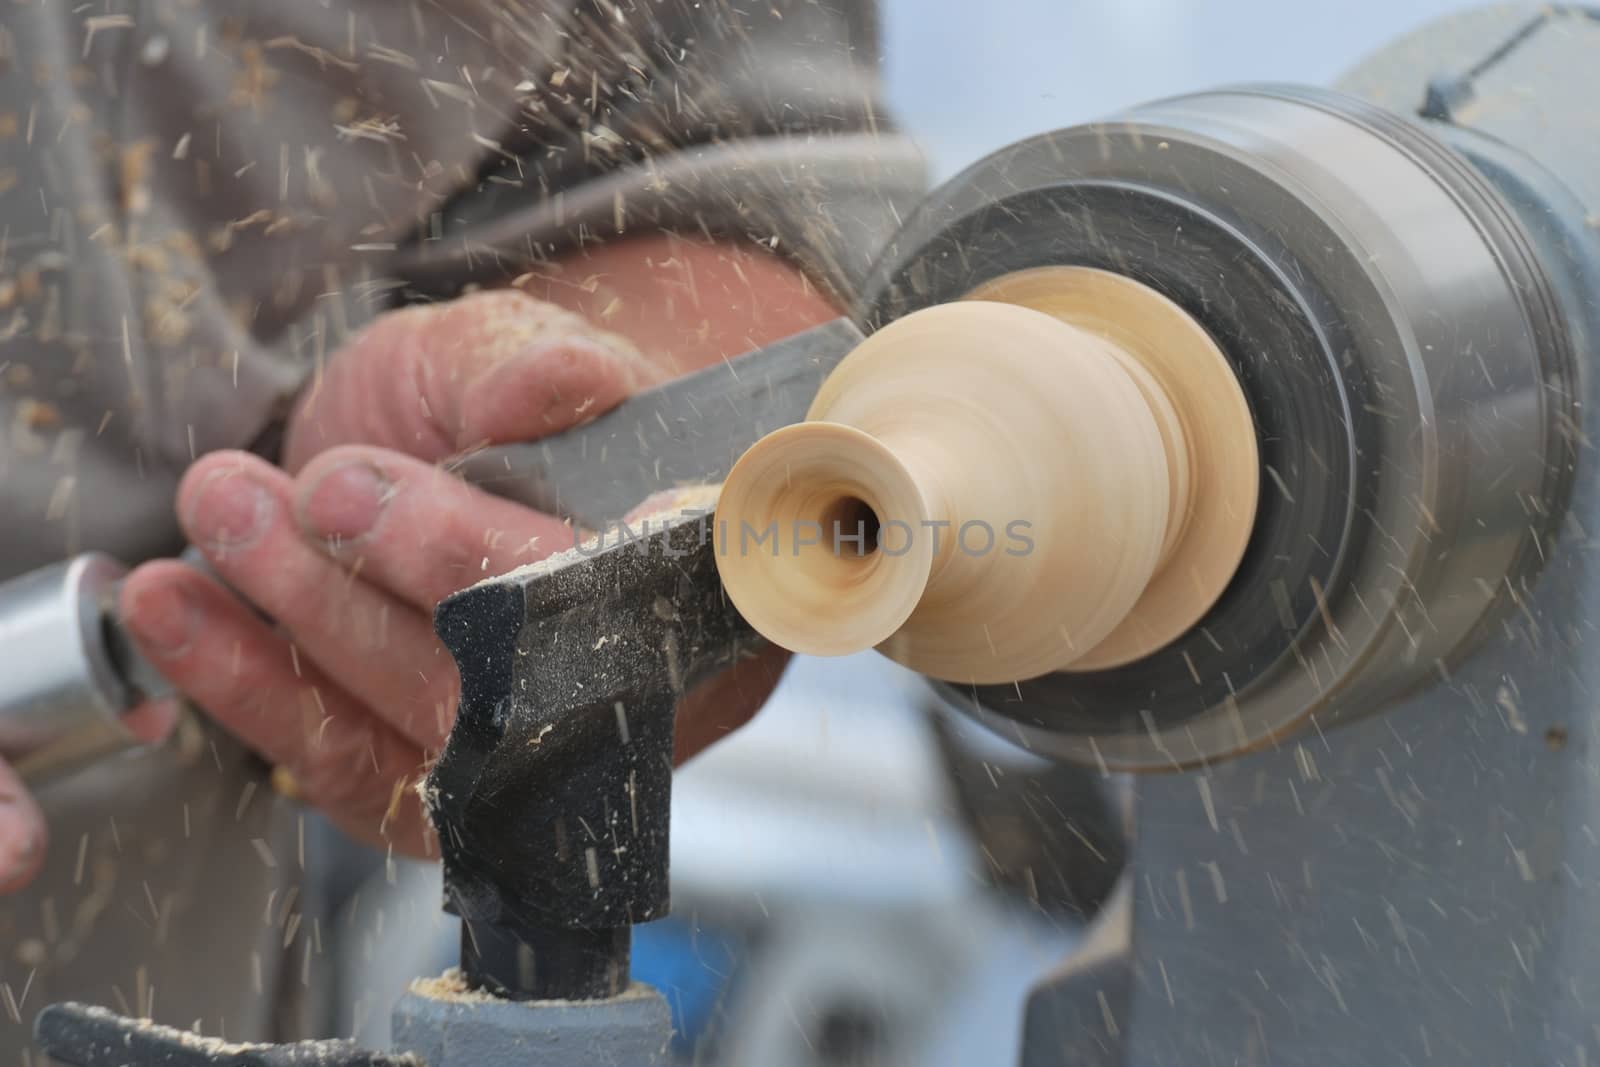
[(1288, 392)]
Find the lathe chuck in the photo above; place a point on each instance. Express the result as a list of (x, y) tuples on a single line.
[(1407, 367)]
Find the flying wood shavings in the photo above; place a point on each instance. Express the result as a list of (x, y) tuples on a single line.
[(384, 54), (93, 25), (134, 174), (222, 238), (381, 130), (264, 851), (323, 57), (449, 89), (61, 498)]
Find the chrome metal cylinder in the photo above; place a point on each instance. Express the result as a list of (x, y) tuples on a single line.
[(66, 691)]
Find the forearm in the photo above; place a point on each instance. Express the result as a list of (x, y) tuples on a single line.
[(685, 302), (436, 380)]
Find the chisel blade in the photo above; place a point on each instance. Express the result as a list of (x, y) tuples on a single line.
[(688, 431)]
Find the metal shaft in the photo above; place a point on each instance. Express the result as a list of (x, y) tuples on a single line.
[(68, 690)]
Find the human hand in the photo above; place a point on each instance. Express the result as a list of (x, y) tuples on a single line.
[(22, 832), (349, 548)]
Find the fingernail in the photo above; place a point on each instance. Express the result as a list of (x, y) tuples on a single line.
[(162, 618), (230, 512), (345, 503)]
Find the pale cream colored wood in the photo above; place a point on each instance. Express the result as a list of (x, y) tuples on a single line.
[(1214, 504), (1081, 419), (776, 550), (967, 414)]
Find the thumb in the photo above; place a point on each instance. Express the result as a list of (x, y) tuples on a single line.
[(488, 368)]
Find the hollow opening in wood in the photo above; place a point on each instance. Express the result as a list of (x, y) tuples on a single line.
[(803, 520), (850, 526)]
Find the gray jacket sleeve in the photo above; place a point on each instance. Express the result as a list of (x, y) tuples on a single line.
[(200, 202)]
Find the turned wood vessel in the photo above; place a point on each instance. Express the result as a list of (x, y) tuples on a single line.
[(1058, 473)]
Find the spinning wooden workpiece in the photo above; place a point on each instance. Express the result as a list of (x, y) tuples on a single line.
[(1059, 473)]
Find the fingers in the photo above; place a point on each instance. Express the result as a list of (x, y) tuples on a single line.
[(423, 534), (489, 367), (413, 528), (236, 509), (22, 833), (547, 388), (215, 650)]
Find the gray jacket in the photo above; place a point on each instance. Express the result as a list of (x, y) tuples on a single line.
[(202, 199)]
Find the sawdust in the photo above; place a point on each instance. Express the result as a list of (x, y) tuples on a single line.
[(687, 501), (217, 1048), (452, 986)]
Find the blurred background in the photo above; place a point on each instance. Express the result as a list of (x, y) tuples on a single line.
[(970, 76), (845, 890)]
